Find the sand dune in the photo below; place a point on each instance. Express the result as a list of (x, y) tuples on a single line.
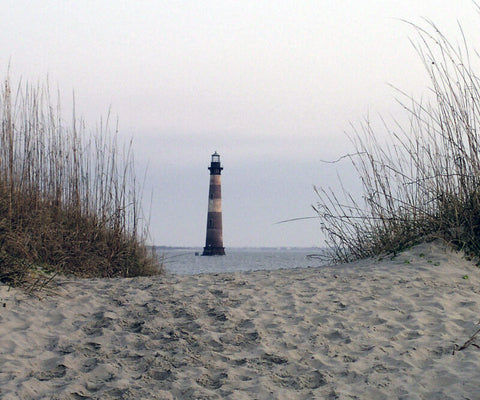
[(370, 330)]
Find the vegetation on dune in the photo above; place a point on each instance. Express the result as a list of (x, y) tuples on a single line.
[(425, 182), (69, 200)]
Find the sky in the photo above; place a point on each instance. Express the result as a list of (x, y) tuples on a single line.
[(272, 86)]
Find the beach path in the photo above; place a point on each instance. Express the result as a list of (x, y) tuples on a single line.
[(376, 329)]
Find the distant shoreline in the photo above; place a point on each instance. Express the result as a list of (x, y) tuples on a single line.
[(272, 248)]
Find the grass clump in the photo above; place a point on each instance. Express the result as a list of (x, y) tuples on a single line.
[(69, 200), (425, 181)]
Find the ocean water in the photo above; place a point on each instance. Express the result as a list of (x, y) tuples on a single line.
[(185, 262)]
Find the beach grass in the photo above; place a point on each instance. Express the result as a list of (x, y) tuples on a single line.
[(423, 181), (69, 199)]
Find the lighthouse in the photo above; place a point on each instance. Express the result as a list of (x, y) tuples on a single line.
[(214, 240)]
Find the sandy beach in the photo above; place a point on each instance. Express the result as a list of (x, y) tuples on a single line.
[(376, 329)]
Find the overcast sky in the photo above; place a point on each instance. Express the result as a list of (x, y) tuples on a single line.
[(271, 85)]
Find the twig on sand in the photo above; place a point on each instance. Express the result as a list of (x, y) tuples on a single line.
[(468, 343)]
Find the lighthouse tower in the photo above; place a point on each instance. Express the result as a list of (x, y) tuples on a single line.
[(214, 241)]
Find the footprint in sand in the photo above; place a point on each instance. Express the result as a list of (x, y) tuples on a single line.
[(218, 293), (90, 349), (274, 359), (89, 365), (209, 382), (217, 314), (160, 375), (57, 371)]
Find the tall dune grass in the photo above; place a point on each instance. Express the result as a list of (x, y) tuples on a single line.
[(425, 182), (69, 199)]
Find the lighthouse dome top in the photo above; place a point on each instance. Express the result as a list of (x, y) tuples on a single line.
[(215, 157)]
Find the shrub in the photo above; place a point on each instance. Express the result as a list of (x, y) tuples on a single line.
[(69, 200), (424, 182)]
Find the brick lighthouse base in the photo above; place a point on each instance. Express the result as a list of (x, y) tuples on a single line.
[(213, 251)]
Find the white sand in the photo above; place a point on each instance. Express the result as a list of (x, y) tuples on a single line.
[(370, 330)]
